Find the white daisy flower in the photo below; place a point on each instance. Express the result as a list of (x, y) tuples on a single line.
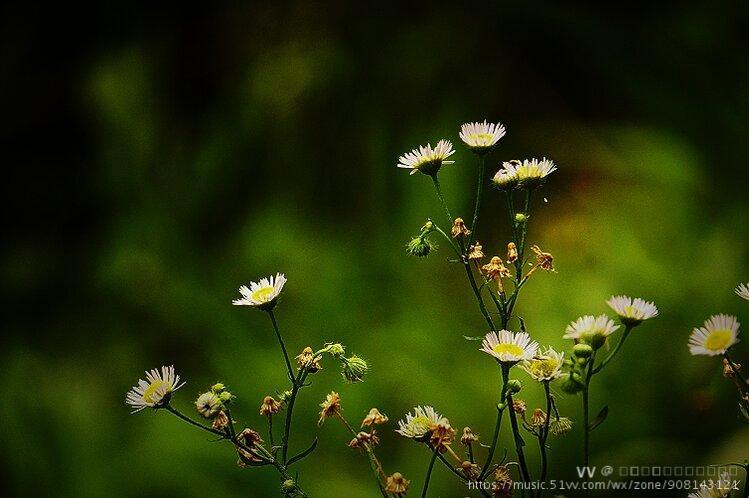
[(481, 137), (632, 311), (505, 180), (743, 291), (426, 159), (545, 366), (261, 294), (718, 333), (418, 425), (154, 392), (531, 172), (591, 330), (721, 488), (507, 346)]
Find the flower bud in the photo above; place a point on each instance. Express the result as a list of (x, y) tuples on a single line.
[(354, 369), (521, 218), (468, 436), (514, 386), (218, 387), (582, 350), (570, 385), (269, 407), (288, 486), (419, 247), (225, 397), (336, 349), (208, 405), (596, 341)]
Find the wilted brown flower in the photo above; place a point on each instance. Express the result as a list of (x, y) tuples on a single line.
[(519, 406), (307, 359), (397, 485), (468, 436), (512, 252), (475, 253), (728, 371), (502, 482), (441, 435), (220, 421), (543, 259), (539, 418), (330, 407), (269, 407), (470, 470), (249, 440), (374, 417), (495, 269), (459, 229), (363, 438)]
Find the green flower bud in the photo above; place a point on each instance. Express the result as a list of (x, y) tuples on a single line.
[(428, 227), (419, 247), (288, 487), (284, 396), (354, 369), (595, 340), (521, 218), (218, 387), (336, 349), (225, 397), (570, 385), (514, 386), (582, 350)]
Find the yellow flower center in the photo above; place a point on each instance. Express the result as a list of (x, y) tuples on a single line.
[(420, 424), (148, 395), (544, 367), (263, 294), (718, 340), (508, 348), (483, 138), (529, 172)]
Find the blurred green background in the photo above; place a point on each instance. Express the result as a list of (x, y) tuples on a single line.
[(162, 156)]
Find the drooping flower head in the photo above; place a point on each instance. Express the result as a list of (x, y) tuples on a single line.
[(560, 426), (591, 330), (481, 137), (397, 485), (718, 333), (155, 391), (546, 366), (743, 291), (632, 311), (331, 407), (263, 294), (419, 425), (374, 417), (529, 173), (426, 159), (509, 347)]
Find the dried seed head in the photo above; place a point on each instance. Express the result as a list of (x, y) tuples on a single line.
[(519, 406), (397, 485), (363, 438), (330, 407), (468, 436), (502, 482), (459, 228), (560, 426), (374, 417), (512, 252), (269, 407), (354, 368)]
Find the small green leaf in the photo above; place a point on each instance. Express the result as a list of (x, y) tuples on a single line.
[(600, 418), (304, 453)]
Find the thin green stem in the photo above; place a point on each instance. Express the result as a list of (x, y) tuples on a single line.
[(627, 330), (190, 421), (477, 208), (519, 443), (544, 435), (438, 188), (429, 473), (270, 431), (501, 406), (586, 416), (449, 240), (477, 292), (374, 463), (283, 346), (289, 413)]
